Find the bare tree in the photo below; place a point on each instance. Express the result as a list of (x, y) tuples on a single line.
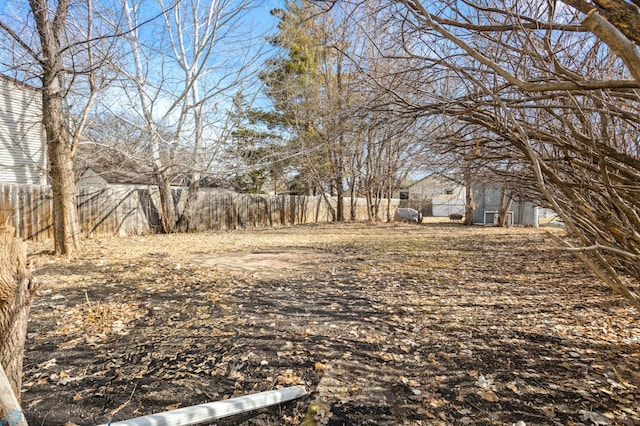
[(66, 53), (181, 85), (549, 93), (552, 101), (346, 137)]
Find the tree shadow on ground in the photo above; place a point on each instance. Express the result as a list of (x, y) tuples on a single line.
[(439, 334)]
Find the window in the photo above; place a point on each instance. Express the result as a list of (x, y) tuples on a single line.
[(404, 195), (448, 191)]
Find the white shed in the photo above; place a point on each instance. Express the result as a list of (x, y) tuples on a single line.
[(22, 138)]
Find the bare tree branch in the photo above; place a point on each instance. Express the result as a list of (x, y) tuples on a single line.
[(617, 41)]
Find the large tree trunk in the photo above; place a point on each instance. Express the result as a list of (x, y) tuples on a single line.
[(16, 293), (167, 205), (66, 230), (189, 210)]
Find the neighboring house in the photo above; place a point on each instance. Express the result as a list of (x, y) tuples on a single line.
[(22, 137), (522, 212), (437, 194)]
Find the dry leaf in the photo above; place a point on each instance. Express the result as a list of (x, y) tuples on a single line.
[(69, 344), (289, 379), (172, 406), (48, 364), (489, 396), (430, 415), (549, 412)]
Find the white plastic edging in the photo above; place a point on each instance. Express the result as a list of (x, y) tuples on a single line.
[(216, 410), (9, 403)]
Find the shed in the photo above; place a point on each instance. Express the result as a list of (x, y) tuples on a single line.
[(23, 158)]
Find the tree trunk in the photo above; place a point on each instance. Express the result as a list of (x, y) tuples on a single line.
[(339, 195), (377, 202), (167, 205), (66, 231), (505, 205), (369, 199), (189, 210), (332, 211), (353, 214), (469, 204), (389, 195), (16, 293)]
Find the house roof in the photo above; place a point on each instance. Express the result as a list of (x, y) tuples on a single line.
[(408, 183), (453, 177), (120, 177), (19, 83), (126, 177)]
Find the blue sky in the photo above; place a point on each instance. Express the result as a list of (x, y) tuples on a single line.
[(13, 11), (258, 24)]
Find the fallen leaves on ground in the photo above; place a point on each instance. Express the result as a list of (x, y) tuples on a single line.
[(384, 324)]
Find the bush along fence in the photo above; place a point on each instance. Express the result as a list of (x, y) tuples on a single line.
[(133, 210)]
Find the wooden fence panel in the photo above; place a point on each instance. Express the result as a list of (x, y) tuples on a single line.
[(27, 209), (133, 210)]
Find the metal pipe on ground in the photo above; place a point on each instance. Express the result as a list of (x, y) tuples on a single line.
[(202, 413)]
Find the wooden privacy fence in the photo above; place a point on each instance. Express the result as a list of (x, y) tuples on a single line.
[(133, 210), (28, 209)]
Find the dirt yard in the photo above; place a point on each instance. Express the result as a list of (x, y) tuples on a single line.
[(433, 324)]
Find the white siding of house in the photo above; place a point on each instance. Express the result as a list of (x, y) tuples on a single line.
[(487, 198), (22, 142), (436, 186)]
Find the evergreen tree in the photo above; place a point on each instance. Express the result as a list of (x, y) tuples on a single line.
[(303, 82), (257, 142)]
